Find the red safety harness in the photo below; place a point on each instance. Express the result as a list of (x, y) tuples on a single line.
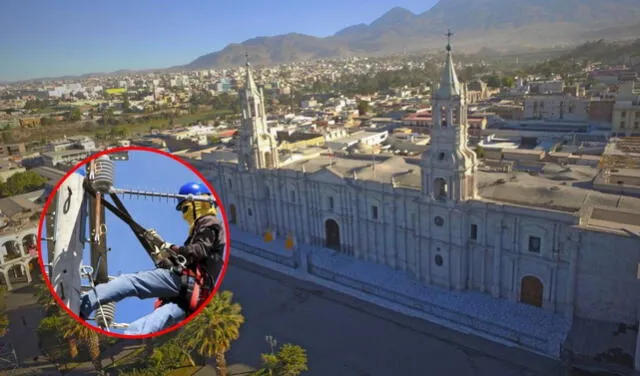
[(194, 289)]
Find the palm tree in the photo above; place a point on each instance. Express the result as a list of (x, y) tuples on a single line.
[(76, 332), (290, 360), (212, 332), (45, 298)]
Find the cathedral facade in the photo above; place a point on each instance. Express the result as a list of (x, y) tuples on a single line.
[(440, 218)]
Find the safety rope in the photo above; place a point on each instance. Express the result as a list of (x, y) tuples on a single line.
[(88, 271)]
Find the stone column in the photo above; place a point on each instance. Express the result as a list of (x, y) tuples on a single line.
[(497, 258), (6, 280), (25, 266), (573, 248)]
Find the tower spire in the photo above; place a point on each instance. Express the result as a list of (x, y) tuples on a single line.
[(448, 166), (449, 84), (258, 148), (250, 84)]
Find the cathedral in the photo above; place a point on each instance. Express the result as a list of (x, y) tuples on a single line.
[(441, 218)]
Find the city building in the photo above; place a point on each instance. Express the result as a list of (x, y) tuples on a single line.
[(64, 157), (556, 107), (626, 110), (7, 150), (601, 110), (8, 169), (440, 218), (19, 217), (290, 140), (549, 87)]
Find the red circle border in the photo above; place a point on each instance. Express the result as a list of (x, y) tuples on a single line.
[(125, 149)]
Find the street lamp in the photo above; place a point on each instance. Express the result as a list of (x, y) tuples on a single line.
[(272, 343)]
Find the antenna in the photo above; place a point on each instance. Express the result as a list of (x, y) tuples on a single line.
[(133, 193)]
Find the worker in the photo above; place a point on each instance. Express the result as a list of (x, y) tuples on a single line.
[(179, 288)]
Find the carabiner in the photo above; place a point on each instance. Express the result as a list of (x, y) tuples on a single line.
[(181, 260)]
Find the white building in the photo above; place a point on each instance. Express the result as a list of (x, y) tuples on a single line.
[(556, 107), (568, 250), (550, 87), (361, 137)]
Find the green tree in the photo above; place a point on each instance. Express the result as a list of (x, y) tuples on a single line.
[(172, 354), (73, 330), (479, 151), (493, 81), (508, 81), (212, 332), (290, 360), (74, 115), (51, 341), (363, 108), (22, 182), (126, 105), (153, 371), (45, 299)]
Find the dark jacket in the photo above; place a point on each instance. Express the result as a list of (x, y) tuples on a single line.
[(205, 246)]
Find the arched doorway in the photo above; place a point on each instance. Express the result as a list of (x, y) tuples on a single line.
[(531, 291), (12, 250), (332, 234), (17, 274), (232, 214)]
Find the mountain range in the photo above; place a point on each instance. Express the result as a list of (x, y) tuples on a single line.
[(498, 24), (479, 25)]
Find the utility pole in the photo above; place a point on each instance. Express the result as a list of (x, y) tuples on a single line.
[(98, 249)]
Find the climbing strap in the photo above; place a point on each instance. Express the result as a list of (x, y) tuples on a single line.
[(88, 271)]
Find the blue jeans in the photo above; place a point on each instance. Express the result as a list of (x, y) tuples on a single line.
[(157, 283)]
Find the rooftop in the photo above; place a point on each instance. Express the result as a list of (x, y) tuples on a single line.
[(20, 211), (64, 153), (564, 189), (53, 175)]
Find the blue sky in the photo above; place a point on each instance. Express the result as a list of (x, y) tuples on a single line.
[(54, 38), (145, 171)]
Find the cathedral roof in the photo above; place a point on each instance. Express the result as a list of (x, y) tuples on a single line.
[(553, 189)]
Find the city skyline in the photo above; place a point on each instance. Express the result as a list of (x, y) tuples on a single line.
[(74, 38)]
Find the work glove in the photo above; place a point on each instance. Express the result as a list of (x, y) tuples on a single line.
[(165, 263), (156, 240)]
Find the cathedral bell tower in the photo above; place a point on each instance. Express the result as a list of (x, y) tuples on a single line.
[(449, 166), (257, 147)]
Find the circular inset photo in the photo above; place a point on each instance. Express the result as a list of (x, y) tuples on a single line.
[(134, 242)]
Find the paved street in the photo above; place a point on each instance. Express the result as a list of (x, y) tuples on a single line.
[(344, 336)]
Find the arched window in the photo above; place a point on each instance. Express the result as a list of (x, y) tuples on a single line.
[(440, 189)]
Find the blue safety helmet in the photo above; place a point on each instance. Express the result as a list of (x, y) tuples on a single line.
[(192, 188)]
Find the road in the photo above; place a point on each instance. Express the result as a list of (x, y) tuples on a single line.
[(348, 337)]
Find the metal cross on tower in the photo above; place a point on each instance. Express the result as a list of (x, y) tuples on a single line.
[(449, 34)]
